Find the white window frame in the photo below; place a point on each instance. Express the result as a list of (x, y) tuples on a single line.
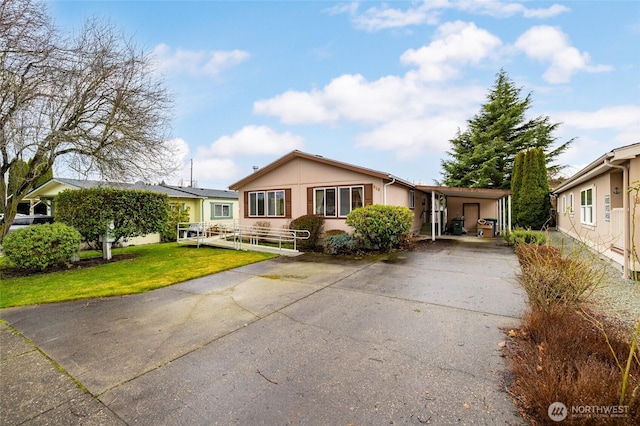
[(571, 204), (229, 208), (563, 205), (255, 198), (412, 199), (339, 200), (350, 200), (588, 211), (323, 209)]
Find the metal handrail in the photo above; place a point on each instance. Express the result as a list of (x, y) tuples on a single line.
[(239, 234)]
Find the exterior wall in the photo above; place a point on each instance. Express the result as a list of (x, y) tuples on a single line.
[(207, 210), (300, 174), (488, 209), (606, 233), (398, 195)]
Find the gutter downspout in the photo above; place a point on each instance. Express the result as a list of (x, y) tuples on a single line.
[(384, 190), (626, 219)]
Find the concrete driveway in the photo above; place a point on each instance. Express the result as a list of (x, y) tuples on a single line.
[(409, 339)]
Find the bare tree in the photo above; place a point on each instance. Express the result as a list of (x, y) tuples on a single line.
[(91, 103)]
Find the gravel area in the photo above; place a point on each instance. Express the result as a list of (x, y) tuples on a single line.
[(616, 297)]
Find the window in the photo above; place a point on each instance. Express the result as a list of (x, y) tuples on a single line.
[(221, 210), (267, 203), (350, 198), (412, 199), (586, 206), (325, 201), (570, 206), (332, 202), (563, 205)]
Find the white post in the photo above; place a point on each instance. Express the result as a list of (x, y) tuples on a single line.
[(433, 216), (509, 213)]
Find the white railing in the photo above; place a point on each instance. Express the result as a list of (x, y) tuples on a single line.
[(238, 235)]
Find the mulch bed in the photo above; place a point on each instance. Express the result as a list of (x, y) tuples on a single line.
[(8, 272)]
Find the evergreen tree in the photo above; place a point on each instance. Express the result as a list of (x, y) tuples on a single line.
[(516, 183), (482, 156), (532, 197)]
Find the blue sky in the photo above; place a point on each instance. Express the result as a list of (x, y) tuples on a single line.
[(384, 85)]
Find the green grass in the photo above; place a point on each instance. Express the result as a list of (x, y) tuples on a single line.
[(152, 266)]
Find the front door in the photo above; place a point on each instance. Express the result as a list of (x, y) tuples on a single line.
[(471, 213)]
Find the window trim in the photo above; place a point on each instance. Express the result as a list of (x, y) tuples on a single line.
[(365, 192), (571, 204), (251, 207), (412, 199), (213, 205), (591, 208)]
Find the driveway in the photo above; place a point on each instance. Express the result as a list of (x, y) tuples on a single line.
[(409, 339)]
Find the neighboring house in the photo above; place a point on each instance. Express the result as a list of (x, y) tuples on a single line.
[(299, 183), (596, 206), (204, 205)]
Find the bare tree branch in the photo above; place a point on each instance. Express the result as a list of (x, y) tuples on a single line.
[(90, 103)]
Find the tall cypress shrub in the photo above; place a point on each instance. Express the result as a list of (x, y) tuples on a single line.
[(532, 201)]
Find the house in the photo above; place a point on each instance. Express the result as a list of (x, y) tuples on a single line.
[(300, 183), (597, 205), (205, 205)]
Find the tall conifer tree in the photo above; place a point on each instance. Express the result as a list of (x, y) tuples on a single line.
[(482, 156)]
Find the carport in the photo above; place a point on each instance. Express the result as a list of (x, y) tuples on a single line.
[(468, 205)]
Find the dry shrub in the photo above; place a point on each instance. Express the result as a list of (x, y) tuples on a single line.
[(560, 355), (551, 278)]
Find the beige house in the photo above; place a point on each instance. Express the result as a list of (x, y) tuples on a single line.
[(299, 183), (205, 205), (597, 204)]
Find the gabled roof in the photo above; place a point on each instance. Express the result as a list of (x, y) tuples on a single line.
[(206, 193), (79, 184), (599, 166), (319, 159)]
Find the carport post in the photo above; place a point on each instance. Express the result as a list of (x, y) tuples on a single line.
[(509, 213), (433, 216)]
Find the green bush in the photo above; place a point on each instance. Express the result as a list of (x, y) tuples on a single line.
[(526, 236), (92, 210), (381, 227), (39, 246), (176, 215), (311, 223), (342, 243)]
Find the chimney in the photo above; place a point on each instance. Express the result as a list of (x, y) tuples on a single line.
[(255, 169)]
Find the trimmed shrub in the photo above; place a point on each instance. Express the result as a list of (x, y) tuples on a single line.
[(176, 215), (381, 227), (311, 223), (91, 211), (338, 244), (39, 246), (526, 236)]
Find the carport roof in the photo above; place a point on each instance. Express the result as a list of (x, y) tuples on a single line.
[(491, 194)]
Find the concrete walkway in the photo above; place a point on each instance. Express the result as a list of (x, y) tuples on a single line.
[(410, 339)]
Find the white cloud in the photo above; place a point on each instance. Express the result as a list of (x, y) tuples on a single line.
[(550, 44), (428, 12), (383, 17), (457, 44), (210, 169), (409, 138), (201, 62), (623, 120), (253, 140)]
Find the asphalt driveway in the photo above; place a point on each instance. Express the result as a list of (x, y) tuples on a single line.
[(409, 339)]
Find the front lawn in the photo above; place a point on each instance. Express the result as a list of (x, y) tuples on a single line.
[(142, 268)]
